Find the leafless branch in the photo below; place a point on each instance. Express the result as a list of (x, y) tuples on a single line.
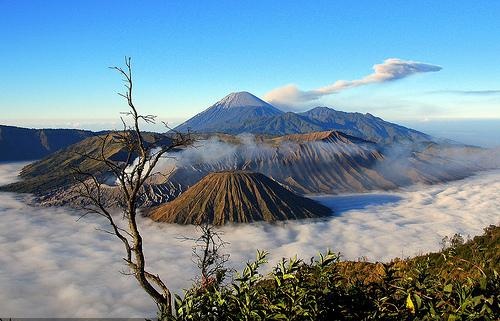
[(131, 173)]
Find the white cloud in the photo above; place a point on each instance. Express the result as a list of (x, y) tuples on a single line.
[(391, 69), (53, 266), (9, 172)]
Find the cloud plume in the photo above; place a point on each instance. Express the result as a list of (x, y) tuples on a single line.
[(391, 69)]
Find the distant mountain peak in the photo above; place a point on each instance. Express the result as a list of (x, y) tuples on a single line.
[(241, 99), (236, 108)]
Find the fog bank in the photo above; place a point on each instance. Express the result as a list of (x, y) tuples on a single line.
[(53, 266)]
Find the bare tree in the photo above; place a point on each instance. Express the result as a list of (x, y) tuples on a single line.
[(208, 257), (131, 172)]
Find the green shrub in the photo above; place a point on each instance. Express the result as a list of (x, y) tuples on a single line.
[(459, 283)]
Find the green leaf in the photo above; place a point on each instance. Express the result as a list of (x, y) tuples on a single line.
[(418, 300), (482, 283), (278, 281)]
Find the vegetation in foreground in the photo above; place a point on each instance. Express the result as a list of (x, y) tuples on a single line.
[(459, 283)]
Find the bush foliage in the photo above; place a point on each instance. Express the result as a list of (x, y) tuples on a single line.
[(458, 283)]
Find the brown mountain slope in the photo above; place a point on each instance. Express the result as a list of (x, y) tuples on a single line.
[(54, 174), (324, 162), (329, 162), (328, 136), (237, 197)]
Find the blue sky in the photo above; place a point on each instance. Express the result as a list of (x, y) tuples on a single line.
[(188, 54)]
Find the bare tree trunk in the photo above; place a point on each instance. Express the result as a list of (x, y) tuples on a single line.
[(131, 177)]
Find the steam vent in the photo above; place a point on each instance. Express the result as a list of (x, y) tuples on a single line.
[(237, 197)]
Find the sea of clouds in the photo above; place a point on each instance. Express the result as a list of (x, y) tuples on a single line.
[(52, 265)]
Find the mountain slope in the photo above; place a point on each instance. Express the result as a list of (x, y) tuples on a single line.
[(244, 113), (237, 197), (56, 170), (328, 162), (18, 143), (306, 163), (232, 110), (320, 162), (364, 126), (284, 124)]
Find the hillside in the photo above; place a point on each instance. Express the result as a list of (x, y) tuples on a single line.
[(459, 283), (326, 162), (19, 144), (55, 172), (237, 197), (365, 126)]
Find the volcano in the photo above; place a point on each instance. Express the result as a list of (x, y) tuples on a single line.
[(237, 197), (242, 112), (233, 110)]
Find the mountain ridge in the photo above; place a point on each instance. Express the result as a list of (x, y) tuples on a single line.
[(327, 162), (19, 144), (236, 113)]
